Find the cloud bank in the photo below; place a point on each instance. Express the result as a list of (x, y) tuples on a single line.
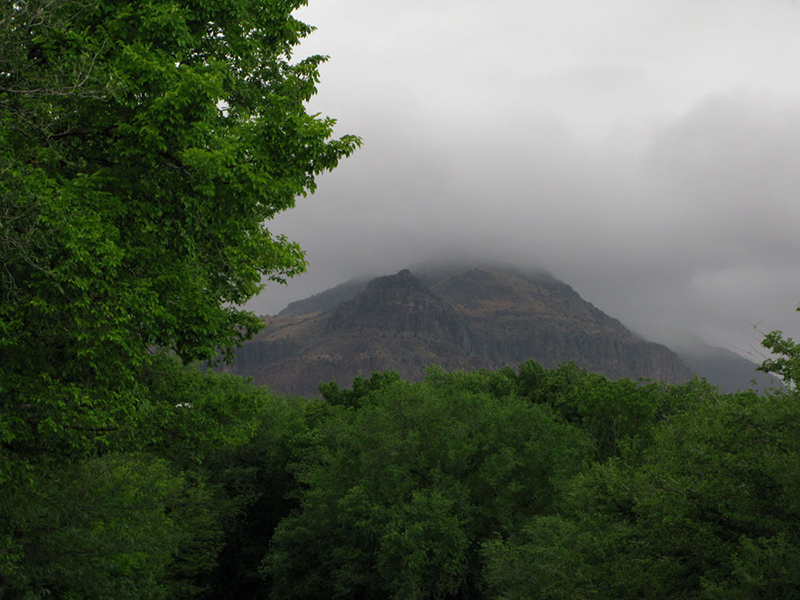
[(647, 153)]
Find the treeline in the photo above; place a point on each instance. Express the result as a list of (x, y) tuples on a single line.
[(517, 483)]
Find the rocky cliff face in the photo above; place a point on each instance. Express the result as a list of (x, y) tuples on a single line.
[(536, 316), (327, 299), (456, 318), (402, 304)]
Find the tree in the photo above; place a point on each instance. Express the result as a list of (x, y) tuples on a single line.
[(786, 362), (257, 480), (207, 451), (144, 147), (397, 495), (119, 526), (708, 510)]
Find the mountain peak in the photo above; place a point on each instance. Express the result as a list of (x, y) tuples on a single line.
[(461, 317), (401, 303), (403, 281)]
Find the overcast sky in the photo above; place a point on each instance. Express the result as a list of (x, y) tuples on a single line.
[(646, 152)]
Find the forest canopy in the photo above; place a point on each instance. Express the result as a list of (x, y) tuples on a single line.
[(517, 483)]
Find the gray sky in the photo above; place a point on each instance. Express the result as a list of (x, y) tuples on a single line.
[(647, 152)]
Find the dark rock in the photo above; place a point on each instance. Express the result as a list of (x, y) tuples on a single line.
[(459, 319)]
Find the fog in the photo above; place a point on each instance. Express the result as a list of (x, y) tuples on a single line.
[(646, 152)]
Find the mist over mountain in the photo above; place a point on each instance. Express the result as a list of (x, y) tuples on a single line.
[(325, 300), (459, 317), (720, 367)]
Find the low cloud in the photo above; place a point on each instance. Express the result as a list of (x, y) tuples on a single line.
[(671, 208)]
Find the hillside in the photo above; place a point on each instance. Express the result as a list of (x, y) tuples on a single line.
[(459, 318), (727, 370)]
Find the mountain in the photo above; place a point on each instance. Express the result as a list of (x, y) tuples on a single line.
[(523, 316), (456, 317), (725, 369), (327, 299)]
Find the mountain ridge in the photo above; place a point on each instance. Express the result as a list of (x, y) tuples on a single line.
[(456, 317)]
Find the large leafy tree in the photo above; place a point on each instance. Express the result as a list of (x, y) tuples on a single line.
[(144, 148), (397, 495)]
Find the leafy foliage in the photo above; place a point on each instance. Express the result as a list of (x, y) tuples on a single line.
[(257, 479), (360, 390), (467, 485), (708, 510), (146, 519), (144, 147), (786, 360), (110, 527), (398, 494)]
